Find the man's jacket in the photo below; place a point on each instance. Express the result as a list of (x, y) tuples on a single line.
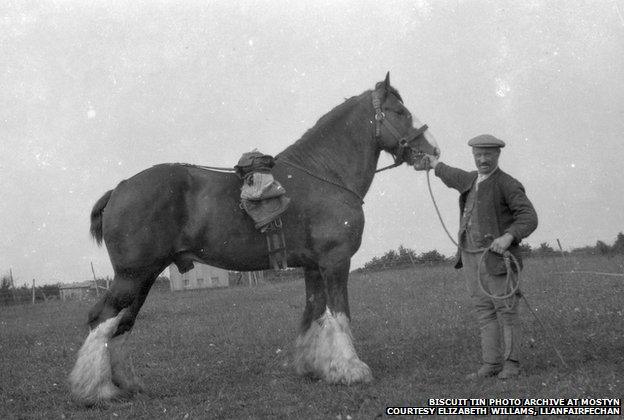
[(501, 206)]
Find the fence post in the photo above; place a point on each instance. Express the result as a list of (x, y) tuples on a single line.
[(12, 285), (409, 254), (97, 292), (561, 249)]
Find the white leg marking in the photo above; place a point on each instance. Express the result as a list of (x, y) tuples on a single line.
[(90, 380), (326, 351)]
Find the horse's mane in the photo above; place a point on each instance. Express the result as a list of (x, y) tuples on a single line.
[(305, 142)]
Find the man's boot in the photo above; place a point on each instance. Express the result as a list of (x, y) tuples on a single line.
[(486, 370), (511, 366), (490, 350), (511, 369)]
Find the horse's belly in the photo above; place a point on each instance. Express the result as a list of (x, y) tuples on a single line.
[(222, 234), (226, 244)]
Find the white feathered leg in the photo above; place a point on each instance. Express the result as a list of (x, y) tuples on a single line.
[(124, 375), (326, 351), (91, 379)]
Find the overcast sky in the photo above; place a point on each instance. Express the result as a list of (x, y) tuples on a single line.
[(91, 94)]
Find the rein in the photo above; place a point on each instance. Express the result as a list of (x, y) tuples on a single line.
[(514, 288), (322, 178)]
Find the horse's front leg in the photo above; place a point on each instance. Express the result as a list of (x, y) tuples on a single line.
[(324, 348)]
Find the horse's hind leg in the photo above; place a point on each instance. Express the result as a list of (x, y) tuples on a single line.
[(325, 347), (99, 373)]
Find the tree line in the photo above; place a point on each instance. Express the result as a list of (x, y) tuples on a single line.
[(405, 257)]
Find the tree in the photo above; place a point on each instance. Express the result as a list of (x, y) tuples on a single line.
[(406, 256), (5, 283), (525, 250), (403, 257), (432, 257), (544, 249), (602, 248), (6, 295), (618, 245)]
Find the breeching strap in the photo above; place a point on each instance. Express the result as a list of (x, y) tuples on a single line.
[(511, 287)]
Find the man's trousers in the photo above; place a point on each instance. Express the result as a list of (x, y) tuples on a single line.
[(493, 314)]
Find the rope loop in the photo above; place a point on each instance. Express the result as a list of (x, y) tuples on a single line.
[(512, 287)]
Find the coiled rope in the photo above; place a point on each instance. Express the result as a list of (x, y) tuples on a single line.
[(513, 287)]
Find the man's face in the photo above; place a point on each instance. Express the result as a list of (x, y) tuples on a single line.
[(486, 158)]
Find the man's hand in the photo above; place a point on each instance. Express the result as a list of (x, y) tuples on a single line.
[(430, 162), (500, 244)]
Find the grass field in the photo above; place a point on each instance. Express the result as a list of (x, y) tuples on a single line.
[(226, 353)]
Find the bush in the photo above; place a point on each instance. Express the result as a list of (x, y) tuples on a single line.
[(404, 257)]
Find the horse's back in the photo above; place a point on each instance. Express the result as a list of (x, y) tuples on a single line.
[(163, 209), (169, 183)]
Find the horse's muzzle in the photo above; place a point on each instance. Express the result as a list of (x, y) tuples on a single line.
[(419, 161)]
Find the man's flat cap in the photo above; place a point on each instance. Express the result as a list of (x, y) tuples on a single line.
[(486, 140)]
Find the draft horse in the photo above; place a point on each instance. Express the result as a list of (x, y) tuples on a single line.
[(181, 214)]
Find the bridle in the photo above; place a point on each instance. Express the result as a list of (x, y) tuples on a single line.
[(403, 142)]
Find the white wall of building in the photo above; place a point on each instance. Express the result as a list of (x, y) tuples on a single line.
[(202, 276)]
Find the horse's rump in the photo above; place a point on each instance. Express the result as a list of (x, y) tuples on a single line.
[(177, 209)]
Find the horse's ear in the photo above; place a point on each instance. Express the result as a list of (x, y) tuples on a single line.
[(387, 81)]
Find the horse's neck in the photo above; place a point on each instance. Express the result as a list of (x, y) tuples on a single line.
[(341, 146)]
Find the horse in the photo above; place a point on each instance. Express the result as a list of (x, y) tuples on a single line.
[(181, 214)]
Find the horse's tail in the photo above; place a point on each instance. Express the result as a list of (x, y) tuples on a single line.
[(96, 217)]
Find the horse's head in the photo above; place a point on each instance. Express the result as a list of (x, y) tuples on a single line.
[(395, 131)]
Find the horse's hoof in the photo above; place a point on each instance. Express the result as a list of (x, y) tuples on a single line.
[(349, 372), (100, 396)]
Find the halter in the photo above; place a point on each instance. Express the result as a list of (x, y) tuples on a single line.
[(402, 141)]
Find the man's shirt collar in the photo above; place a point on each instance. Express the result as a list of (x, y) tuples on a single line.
[(483, 177)]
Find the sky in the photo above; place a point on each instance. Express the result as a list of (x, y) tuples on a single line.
[(94, 92)]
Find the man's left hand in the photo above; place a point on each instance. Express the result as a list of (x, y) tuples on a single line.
[(500, 244), (426, 163)]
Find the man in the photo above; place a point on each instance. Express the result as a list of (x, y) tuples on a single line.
[(495, 213)]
